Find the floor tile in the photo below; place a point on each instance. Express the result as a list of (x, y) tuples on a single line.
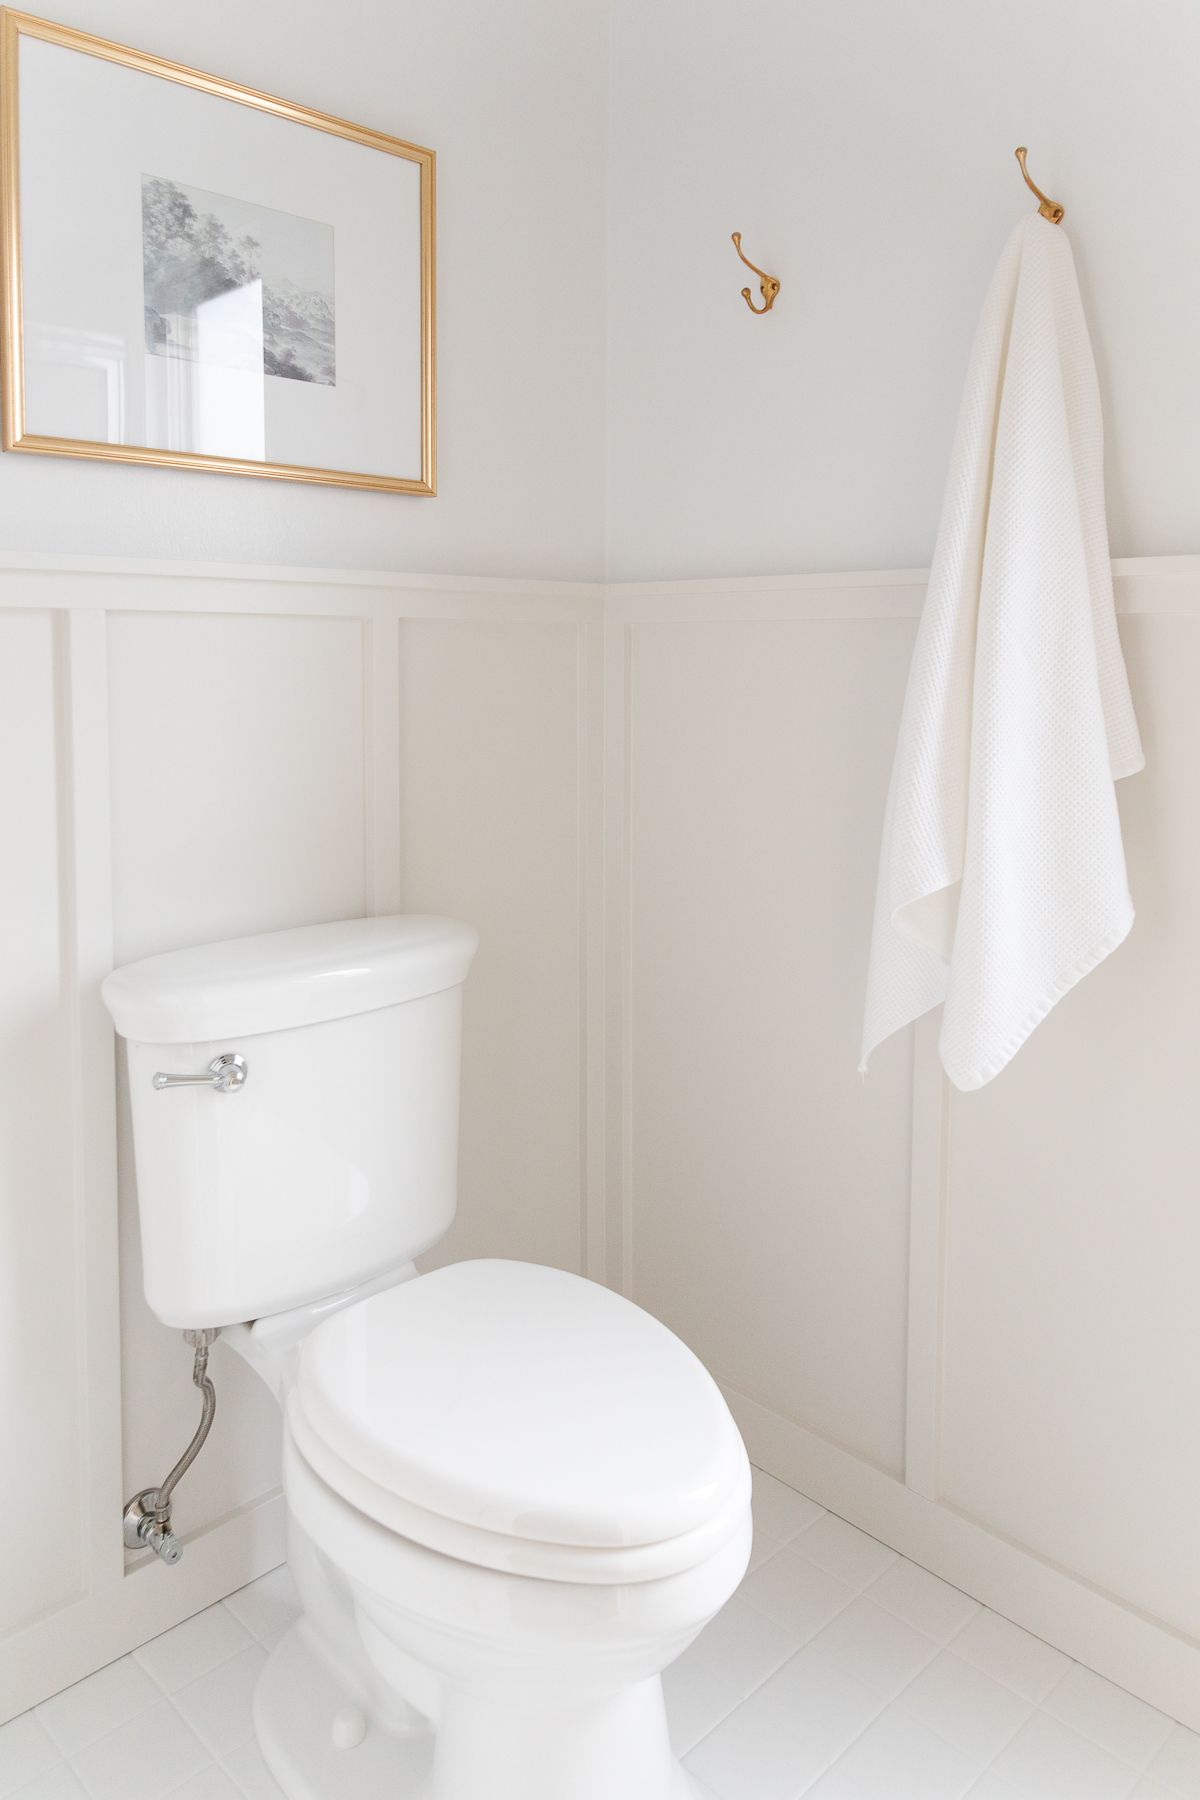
[(971, 1710), (1109, 1716), (146, 1758), (1048, 1761), (1015, 1657), (25, 1751), (700, 1691), (740, 1761), (268, 1606), (748, 1644), (210, 1784), (98, 1705), (932, 1605), (780, 1510), (898, 1758), (762, 1548), (254, 1780), (816, 1702), (795, 1592), (1177, 1764), (844, 1551), (58, 1783), (881, 1650), (193, 1648), (837, 1672), (835, 1784), (219, 1706)]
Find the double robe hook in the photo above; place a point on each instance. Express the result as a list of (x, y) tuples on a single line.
[(768, 285), (1049, 209)]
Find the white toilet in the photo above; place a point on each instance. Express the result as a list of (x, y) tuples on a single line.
[(513, 1497)]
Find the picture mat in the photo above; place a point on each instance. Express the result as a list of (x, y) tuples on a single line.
[(88, 129)]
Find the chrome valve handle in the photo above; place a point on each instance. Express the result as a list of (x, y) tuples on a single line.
[(144, 1529), (162, 1540), (225, 1073)]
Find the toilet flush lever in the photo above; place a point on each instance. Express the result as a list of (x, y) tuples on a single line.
[(226, 1073)]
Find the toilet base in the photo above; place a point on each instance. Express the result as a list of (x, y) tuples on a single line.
[(295, 1706)]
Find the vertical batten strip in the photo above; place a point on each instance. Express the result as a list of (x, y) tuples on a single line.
[(618, 950), (926, 1262), (381, 758), (590, 738), (87, 933)]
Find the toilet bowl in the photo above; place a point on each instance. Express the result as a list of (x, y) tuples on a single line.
[(540, 1521), (513, 1496)]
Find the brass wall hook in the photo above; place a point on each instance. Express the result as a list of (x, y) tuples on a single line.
[(1049, 209), (768, 286)]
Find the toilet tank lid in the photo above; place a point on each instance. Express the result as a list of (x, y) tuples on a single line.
[(283, 979)]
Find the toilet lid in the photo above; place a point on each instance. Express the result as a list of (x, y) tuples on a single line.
[(523, 1401)]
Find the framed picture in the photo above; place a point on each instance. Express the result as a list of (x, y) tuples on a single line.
[(199, 275)]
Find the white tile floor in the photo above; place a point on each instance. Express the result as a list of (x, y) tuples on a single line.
[(838, 1672)]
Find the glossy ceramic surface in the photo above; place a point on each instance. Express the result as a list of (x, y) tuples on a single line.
[(287, 978), (548, 1408), (337, 1160), (523, 1689)]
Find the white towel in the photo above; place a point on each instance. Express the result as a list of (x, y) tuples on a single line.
[(1002, 875)]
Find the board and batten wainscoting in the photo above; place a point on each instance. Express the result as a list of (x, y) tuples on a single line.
[(965, 1323), (196, 752)]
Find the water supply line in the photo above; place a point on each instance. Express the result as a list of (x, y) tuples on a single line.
[(147, 1517)]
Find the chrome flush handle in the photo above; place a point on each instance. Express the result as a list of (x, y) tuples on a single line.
[(225, 1073)]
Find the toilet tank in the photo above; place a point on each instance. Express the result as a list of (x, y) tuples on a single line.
[(336, 1158)]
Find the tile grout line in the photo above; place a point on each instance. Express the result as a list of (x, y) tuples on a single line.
[(858, 1593), (942, 1646), (69, 1760)]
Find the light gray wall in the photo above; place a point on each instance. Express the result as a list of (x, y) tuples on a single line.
[(865, 151), (511, 98)]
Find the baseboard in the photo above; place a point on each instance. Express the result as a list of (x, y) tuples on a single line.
[(1094, 1628), (74, 1641)]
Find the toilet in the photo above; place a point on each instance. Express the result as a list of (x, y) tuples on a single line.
[(513, 1496)]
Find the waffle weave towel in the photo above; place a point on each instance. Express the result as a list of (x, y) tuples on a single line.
[(1002, 874)]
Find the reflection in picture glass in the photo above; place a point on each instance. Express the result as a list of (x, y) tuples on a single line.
[(272, 271)]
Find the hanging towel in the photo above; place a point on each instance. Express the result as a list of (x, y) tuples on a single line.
[(1002, 874)]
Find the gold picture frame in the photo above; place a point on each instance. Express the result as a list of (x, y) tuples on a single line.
[(14, 26)]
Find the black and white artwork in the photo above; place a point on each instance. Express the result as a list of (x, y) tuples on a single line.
[(235, 284)]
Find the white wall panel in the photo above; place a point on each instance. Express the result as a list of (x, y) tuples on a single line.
[(491, 832), (237, 775), (41, 1326), (237, 770), (1073, 1229), (195, 753), (769, 1184), (967, 1323)]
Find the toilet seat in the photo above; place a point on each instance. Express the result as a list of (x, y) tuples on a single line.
[(522, 1419)]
